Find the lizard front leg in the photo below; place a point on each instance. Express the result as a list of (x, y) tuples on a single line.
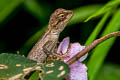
[(48, 48), (51, 51)]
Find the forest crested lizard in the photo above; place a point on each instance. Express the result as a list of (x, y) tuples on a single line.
[(47, 43)]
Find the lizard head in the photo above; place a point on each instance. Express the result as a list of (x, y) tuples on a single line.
[(59, 19)]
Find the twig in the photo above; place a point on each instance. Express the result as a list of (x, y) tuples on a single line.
[(91, 46)]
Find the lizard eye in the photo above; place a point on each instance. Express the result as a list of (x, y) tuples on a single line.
[(61, 16)]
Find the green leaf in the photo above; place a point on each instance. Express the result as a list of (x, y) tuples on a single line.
[(35, 76), (97, 29), (108, 7), (80, 14), (38, 9), (7, 7), (12, 65), (52, 71), (55, 71), (101, 50), (109, 72)]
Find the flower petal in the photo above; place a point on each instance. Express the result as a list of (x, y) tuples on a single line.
[(83, 58), (78, 71), (74, 49), (63, 45)]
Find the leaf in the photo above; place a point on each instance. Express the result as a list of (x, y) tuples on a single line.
[(35, 76), (109, 71), (83, 12), (108, 7), (55, 71), (12, 65), (38, 9), (101, 50), (52, 71), (97, 29), (7, 7)]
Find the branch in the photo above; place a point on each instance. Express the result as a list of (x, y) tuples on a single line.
[(91, 46)]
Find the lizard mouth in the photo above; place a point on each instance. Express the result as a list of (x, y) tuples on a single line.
[(70, 13)]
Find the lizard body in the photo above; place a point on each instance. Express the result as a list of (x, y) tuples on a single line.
[(47, 43)]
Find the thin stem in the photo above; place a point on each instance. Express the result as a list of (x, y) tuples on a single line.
[(91, 46)]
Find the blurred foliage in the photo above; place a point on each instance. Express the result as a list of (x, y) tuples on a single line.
[(39, 10), (109, 71), (7, 7), (22, 22)]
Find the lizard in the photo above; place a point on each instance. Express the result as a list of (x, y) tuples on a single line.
[(46, 45)]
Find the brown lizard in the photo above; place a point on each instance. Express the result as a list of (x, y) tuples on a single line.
[(47, 44)]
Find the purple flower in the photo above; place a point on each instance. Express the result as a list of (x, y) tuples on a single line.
[(78, 71)]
